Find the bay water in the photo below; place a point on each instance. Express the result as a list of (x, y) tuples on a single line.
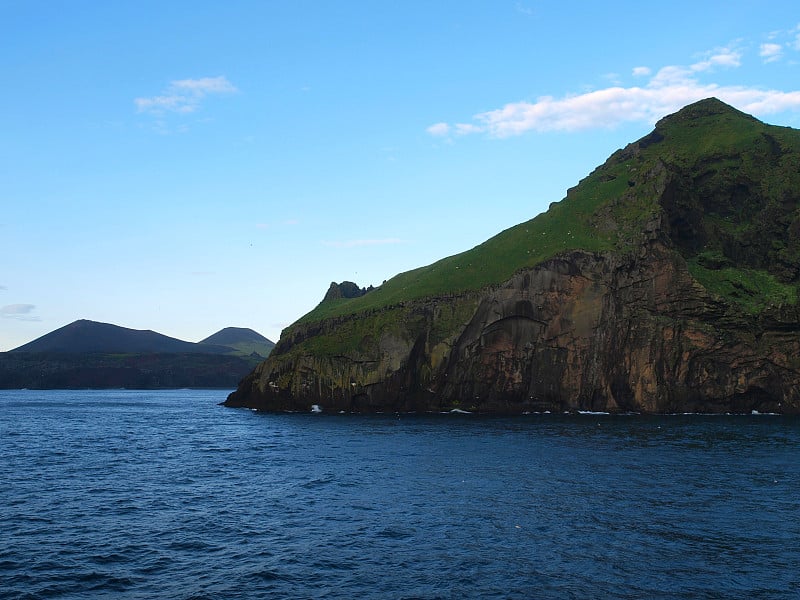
[(166, 494)]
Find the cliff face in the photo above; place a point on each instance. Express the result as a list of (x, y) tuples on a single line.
[(688, 306), (607, 333)]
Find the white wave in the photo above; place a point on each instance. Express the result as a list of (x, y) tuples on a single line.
[(592, 412), (316, 408), (460, 412)]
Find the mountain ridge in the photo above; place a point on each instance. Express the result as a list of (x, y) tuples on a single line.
[(89, 354), (86, 336)]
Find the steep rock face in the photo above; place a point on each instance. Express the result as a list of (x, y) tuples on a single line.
[(605, 333), (584, 331), (678, 294)]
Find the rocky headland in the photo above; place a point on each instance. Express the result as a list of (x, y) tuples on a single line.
[(665, 282)]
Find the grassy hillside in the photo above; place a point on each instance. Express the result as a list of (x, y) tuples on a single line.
[(732, 186)]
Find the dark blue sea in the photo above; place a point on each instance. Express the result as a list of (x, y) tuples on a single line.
[(165, 494)]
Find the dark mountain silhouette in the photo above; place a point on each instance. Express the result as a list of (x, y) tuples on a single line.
[(88, 354), (90, 336)]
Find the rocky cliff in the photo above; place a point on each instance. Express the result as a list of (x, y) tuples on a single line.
[(666, 281)]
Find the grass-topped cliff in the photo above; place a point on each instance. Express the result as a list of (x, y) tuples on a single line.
[(665, 281), (735, 184)]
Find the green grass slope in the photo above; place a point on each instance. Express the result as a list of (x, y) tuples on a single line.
[(732, 187)]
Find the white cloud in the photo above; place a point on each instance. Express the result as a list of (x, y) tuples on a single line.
[(465, 128), (184, 95), (358, 243), (666, 91), (439, 129), (641, 71), (205, 85), (21, 312), (770, 52), (723, 57)]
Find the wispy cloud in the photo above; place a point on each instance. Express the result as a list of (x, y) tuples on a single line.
[(358, 243), (523, 9), (722, 57), (439, 129), (184, 95), (667, 90), (770, 52), (796, 42), (21, 312)]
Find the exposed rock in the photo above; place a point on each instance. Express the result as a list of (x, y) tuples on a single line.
[(346, 289), (580, 332)]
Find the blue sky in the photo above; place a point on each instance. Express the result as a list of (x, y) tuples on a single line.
[(187, 166)]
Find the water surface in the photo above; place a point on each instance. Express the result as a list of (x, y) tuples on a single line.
[(145, 494)]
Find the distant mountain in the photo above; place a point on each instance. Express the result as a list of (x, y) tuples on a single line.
[(242, 339), (86, 336), (88, 354)]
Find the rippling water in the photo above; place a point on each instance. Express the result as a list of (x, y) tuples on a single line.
[(130, 494)]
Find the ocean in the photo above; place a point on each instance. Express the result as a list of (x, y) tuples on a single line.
[(166, 494)]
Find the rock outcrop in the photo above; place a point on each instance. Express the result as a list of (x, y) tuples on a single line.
[(346, 289), (681, 298)]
